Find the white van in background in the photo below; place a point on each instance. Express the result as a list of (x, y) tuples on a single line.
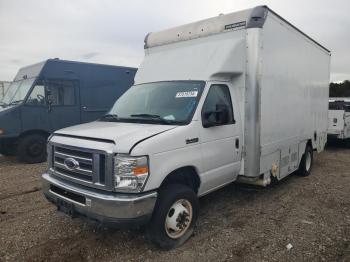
[(339, 118)]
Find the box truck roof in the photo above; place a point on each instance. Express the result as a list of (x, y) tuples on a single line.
[(214, 49), (249, 18)]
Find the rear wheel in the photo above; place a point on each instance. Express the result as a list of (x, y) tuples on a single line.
[(32, 149), (306, 162), (174, 216)]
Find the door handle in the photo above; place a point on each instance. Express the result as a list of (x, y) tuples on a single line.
[(237, 143)]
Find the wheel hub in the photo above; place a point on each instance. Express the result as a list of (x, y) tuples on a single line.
[(35, 149), (178, 219)]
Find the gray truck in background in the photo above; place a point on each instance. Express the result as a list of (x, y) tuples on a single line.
[(52, 95)]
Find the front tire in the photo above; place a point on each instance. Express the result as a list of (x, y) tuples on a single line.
[(174, 216), (306, 162), (32, 149)]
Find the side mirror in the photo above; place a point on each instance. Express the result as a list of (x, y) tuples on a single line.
[(216, 118)]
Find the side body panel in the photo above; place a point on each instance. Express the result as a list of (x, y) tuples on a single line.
[(294, 94), (252, 103)]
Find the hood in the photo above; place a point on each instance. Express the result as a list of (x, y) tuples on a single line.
[(124, 135)]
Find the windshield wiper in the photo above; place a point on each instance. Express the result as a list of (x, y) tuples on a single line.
[(155, 117), (147, 116), (110, 117)]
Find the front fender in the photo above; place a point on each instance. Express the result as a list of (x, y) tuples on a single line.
[(10, 121), (170, 151)]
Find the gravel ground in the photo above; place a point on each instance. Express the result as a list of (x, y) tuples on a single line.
[(236, 223)]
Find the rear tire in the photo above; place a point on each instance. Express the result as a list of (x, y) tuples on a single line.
[(32, 149), (306, 162), (174, 216)]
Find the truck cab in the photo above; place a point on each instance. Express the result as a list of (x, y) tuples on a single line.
[(54, 94)]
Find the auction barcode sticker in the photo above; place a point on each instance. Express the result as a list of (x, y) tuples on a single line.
[(186, 94)]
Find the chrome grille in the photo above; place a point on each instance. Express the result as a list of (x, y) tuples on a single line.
[(89, 169)]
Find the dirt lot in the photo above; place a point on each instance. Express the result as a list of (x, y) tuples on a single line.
[(236, 223)]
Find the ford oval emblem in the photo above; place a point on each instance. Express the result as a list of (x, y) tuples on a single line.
[(71, 163)]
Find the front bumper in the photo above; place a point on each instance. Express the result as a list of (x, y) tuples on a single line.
[(336, 134), (105, 207)]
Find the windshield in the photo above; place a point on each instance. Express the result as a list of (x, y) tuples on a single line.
[(161, 103), (17, 91)]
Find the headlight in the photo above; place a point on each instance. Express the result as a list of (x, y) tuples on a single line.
[(130, 173), (2, 131)]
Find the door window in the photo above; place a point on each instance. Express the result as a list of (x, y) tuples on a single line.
[(37, 96), (218, 97), (61, 92)]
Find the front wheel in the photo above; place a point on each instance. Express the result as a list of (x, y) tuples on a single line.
[(306, 162), (32, 149), (174, 216)]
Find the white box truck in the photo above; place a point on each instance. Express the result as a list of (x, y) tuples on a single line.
[(339, 118), (238, 97)]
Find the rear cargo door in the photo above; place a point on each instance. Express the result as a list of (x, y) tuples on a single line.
[(220, 144), (64, 106)]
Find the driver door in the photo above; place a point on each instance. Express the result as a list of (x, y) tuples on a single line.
[(34, 112), (221, 142), (64, 107)]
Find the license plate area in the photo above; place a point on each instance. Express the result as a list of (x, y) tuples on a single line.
[(68, 195), (65, 207)]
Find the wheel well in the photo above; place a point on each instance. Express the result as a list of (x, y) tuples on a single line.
[(35, 131), (309, 143), (185, 175)]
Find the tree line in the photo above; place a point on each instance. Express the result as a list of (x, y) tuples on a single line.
[(339, 89)]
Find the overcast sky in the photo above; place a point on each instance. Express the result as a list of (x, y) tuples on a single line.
[(112, 31)]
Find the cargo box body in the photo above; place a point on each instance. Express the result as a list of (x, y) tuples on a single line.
[(279, 74)]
